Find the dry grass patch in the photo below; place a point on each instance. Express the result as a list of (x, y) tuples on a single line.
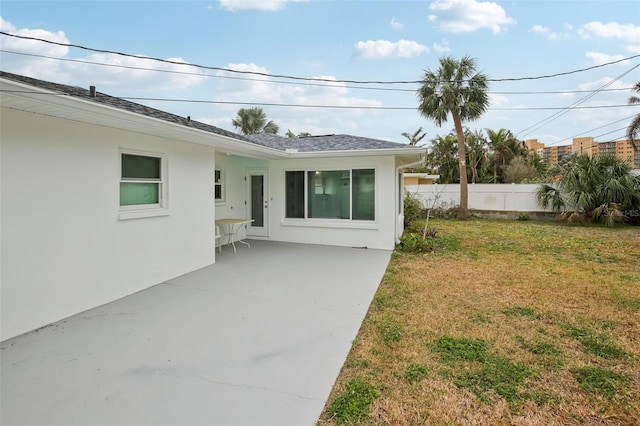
[(510, 323)]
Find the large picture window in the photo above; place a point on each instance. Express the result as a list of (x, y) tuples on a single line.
[(330, 194), (141, 180)]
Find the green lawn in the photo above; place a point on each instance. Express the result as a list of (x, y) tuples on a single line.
[(506, 322)]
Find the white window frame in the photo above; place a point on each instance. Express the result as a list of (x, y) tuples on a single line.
[(144, 210), (223, 193), (330, 221)]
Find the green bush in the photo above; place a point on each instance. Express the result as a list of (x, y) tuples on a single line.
[(413, 208), (412, 242)]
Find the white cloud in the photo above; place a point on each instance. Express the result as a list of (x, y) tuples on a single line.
[(633, 49), (626, 32), (606, 97), (33, 46), (261, 89), (135, 72), (546, 32), (115, 70), (6, 26), (395, 24), (598, 58), (379, 49), (442, 47), (498, 100), (235, 5), (461, 16)]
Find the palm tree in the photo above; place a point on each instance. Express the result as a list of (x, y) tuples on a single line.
[(251, 121), (633, 130), (504, 147), (415, 137), (600, 188), (442, 158), (476, 155), (456, 89)]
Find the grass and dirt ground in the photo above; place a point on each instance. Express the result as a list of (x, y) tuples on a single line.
[(505, 322)]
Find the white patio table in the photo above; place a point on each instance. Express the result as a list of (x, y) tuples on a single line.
[(230, 228)]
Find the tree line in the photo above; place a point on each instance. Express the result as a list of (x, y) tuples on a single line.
[(490, 157)]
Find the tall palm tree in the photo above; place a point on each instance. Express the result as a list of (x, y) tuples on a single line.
[(633, 131), (251, 121), (415, 137), (504, 147), (456, 89)]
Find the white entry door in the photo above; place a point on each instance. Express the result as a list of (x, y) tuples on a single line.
[(258, 202)]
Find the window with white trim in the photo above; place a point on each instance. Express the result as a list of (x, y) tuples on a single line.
[(218, 185), (330, 194), (142, 183)]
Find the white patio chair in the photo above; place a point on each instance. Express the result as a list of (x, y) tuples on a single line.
[(218, 238)]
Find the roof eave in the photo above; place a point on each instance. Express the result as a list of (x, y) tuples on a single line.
[(70, 107), (358, 153)]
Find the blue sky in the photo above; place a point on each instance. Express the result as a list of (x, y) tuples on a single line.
[(342, 40)]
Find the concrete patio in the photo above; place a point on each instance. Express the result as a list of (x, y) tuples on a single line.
[(256, 339)]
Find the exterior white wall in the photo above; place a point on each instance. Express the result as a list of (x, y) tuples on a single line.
[(509, 197), (376, 234), (234, 169), (64, 249)]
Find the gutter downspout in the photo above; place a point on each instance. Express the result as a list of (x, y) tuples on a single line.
[(400, 215)]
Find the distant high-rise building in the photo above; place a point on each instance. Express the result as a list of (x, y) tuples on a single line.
[(552, 155)]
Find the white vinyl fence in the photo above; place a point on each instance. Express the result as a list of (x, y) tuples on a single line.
[(499, 198)]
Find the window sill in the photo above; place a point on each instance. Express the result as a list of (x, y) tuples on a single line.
[(323, 223), (139, 214)]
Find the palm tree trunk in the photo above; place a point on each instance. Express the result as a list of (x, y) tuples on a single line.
[(463, 212)]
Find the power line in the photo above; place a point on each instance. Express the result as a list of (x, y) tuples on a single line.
[(594, 129), (284, 76), (557, 115), (274, 104), (198, 74)]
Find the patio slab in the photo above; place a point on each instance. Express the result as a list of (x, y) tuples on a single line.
[(256, 339)]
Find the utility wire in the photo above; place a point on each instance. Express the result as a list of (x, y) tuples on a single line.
[(274, 104), (591, 130), (198, 74), (284, 76), (557, 115)]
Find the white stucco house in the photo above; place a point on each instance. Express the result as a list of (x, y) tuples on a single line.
[(102, 197)]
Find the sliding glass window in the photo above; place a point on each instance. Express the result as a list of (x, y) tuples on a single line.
[(331, 194)]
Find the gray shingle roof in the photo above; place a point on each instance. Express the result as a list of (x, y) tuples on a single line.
[(323, 143), (115, 102), (302, 144)]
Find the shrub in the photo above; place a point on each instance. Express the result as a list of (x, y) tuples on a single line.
[(598, 188), (413, 208), (413, 242)]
